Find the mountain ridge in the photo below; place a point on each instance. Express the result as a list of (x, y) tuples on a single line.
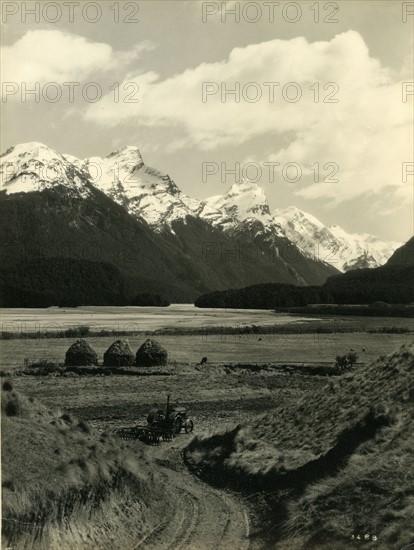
[(333, 244), (152, 195), (52, 210), (159, 239)]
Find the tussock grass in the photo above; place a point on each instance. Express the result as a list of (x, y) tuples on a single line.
[(345, 452), (55, 468)]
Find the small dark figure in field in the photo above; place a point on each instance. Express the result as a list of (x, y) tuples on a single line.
[(203, 361)]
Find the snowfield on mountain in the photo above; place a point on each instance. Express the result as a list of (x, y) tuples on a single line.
[(148, 194), (332, 244)]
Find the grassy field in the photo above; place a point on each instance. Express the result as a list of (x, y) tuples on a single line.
[(220, 348), (215, 396), (218, 397)]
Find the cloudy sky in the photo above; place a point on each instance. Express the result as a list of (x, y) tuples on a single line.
[(319, 118)]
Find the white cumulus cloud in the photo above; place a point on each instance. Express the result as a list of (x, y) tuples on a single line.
[(57, 56), (365, 128)]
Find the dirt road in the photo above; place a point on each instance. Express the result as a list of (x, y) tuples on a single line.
[(191, 515), (202, 517)]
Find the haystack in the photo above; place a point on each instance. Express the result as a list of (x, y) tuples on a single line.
[(119, 354), (81, 354), (151, 353)]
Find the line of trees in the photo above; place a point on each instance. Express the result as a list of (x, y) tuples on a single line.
[(68, 282), (389, 284)]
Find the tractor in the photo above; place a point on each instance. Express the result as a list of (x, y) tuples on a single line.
[(161, 425), (172, 420)]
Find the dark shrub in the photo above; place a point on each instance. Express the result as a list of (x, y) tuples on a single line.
[(84, 427), (77, 332), (12, 407), (68, 418), (7, 386), (44, 367)]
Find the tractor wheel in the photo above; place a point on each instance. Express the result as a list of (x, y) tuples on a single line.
[(178, 424), (189, 426)]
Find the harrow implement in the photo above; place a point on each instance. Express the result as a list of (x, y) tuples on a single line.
[(147, 434)]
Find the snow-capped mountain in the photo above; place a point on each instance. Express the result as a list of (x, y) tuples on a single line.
[(243, 200), (34, 167), (97, 231), (146, 193), (333, 244), (245, 204)]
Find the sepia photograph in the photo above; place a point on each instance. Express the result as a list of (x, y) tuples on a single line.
[(207, 275)]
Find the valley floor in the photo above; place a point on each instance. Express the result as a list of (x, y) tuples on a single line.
[(218, 397), (269, 346)]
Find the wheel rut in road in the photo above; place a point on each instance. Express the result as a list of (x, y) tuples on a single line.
[(200, 517)]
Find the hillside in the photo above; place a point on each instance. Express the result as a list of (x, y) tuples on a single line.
[(62, 281), (52, 210), (338, 464), (65, 485), (55, 223), (403, 255), (391, 283)]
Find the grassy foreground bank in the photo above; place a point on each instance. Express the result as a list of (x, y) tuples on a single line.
[(65, 485), (334, 468)]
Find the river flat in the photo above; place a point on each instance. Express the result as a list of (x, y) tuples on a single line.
[(137, 319)]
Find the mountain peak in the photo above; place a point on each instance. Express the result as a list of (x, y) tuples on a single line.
[(292, 213), (30, 149), (33, 166), (333, 244), (245, 199), (152, 195), (131, 151), (245, 183)]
